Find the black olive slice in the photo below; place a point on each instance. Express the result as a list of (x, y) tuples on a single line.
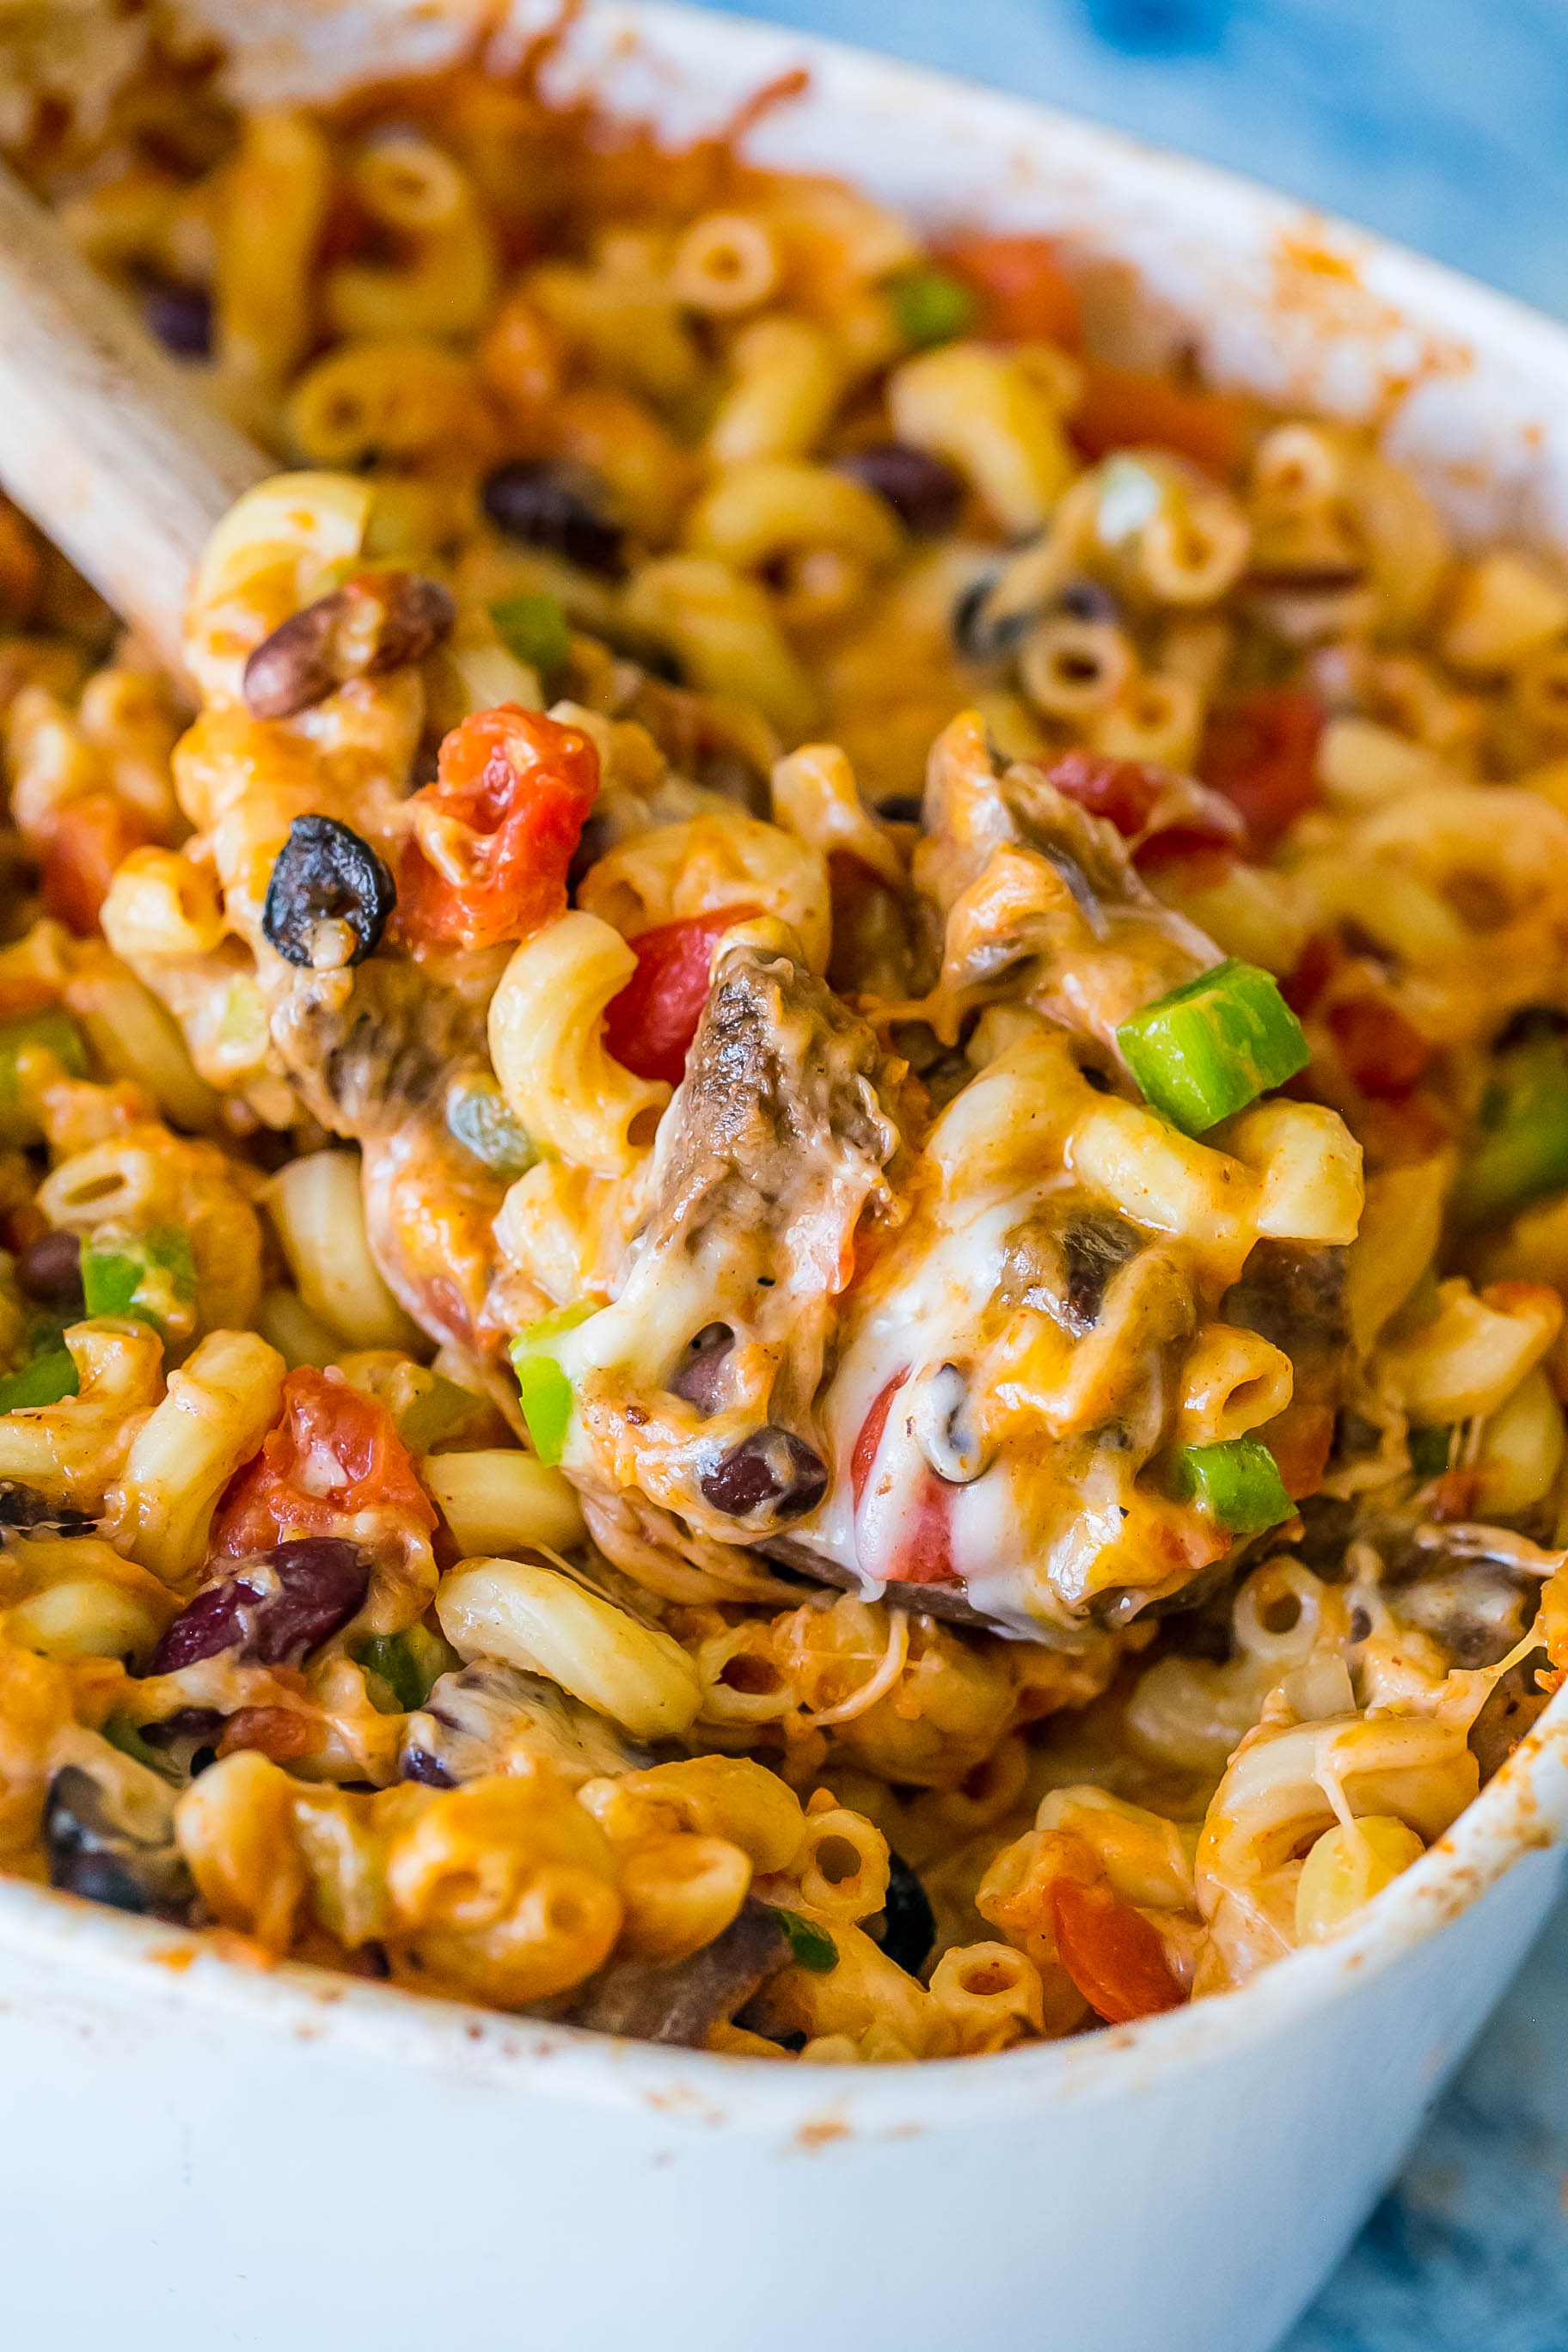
[(325, 874), (562, 507)]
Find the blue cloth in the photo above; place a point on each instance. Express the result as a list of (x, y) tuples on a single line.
[(1469, 2251), (1444, 123)]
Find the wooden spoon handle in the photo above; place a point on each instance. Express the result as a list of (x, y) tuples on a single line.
[(104, 441)]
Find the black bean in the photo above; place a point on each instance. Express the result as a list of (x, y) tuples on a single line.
[(379, 622), (197, 1723), (923, 493), (50, 1270), (180, 316), (900, 808), (1086, 600), (319, 1583), (92, 1854), (772, 1471), (978, 638), (1528, 1024), (700, 1375), (908, 1928), (325, 873), (30, 1513), (416, 1766), (596, 840), (562, 507)]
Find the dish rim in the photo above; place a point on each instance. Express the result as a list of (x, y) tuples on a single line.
[(1524, 1809)]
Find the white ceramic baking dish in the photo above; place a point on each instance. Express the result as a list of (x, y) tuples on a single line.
[(194, 2153)]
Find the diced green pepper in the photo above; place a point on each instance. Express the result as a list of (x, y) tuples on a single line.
[(121, 1733), (57, 1033), (929, 305), (1235, 1484), (438, 1409), (1522, 1148), (811, 1947), (408, 1663), (151, 1276), (1429, 1452), (477, 1115), (43, 1380), (535, 629), (1213, 1045), (544, 1388)]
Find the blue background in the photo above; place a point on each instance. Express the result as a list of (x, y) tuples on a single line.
[(1444, 123)]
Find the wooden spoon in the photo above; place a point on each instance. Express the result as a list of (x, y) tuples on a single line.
[(104, 440)]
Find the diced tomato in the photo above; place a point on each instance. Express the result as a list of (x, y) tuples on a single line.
[(1123, 409), (1122, 791), (1314, 967), (863, 1459), (1382, 1050), (927, 1556), (20, 994), (1261, 752), (333, 1454), (1127, 792), (504, 813), (650, 1024), (1456, 1495), (1026, 295), (1111, 1953), (86, 842), (1301, 1439)]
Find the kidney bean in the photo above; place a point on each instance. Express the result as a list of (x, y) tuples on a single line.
[(376, 623), (699, 1375), (562, 507), (316, 1586), (325, 874), (923, 493), (50, 1270), (92, 1854), (772, 1471)]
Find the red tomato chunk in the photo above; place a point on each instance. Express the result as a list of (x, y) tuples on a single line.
[(333, 1454), (502, 817), (1025, 294), (86, 842), (1111, 1953), (1261, 752), (649, 1027)]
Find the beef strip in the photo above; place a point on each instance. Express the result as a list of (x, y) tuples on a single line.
[(680, 2002), (363, 1055), (784, 1134)]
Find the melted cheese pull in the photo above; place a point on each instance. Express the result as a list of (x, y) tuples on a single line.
[(1047, 1324)]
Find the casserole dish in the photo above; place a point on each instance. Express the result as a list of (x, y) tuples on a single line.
[(253, 2116)]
